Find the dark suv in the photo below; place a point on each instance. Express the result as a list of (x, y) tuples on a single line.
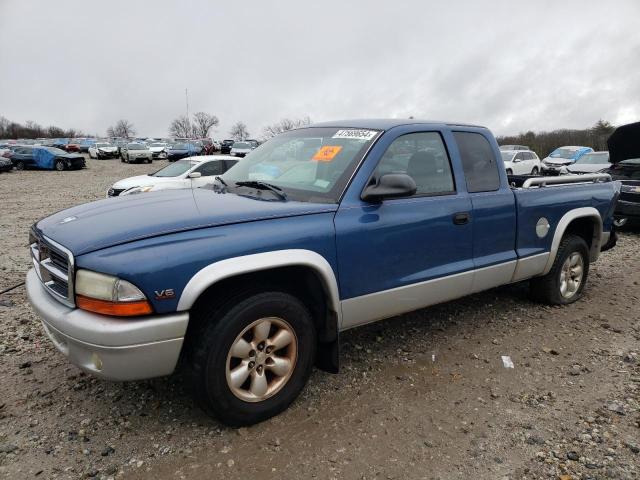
[(225, 146)]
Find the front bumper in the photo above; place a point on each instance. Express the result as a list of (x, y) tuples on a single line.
[(626, 209), (109, 347)]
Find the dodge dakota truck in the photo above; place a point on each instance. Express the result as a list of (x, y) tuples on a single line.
[(247, 283)]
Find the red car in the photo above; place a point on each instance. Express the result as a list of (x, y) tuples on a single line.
[(72, 146)]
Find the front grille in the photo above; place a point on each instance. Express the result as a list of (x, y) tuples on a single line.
[(630, 197), (54, 265)]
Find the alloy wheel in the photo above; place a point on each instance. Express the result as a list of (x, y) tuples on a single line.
[(571, 275), (261, 359)]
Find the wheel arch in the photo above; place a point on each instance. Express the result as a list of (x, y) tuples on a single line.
[(302, 272), (585, 222)]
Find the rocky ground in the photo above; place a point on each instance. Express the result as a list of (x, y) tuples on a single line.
[(426, 395)]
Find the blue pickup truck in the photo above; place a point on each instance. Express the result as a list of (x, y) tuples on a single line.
[(249, 282)]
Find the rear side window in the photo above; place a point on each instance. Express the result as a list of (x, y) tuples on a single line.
[(478, 161)]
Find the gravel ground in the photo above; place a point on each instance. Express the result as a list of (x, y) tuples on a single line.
[(425, 395)]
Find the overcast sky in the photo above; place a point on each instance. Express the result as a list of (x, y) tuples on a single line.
[(509, 65)]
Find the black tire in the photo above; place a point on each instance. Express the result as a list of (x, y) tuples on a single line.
[(59, 165), (535, 171), (149, 160), (509, 171), (547, 289), (207, 355), (19, 165)]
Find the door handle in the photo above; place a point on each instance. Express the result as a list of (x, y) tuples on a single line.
[(461, 218)]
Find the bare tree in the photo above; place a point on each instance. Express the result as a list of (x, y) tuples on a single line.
[(284, 125), (181, 127), (202, 123), (239, 131), (122, 128)]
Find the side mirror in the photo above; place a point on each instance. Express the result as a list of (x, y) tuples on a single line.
[(194, 175), (390, 185)]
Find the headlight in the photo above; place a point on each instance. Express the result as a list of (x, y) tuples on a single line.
[(100, 293), (134, 190)]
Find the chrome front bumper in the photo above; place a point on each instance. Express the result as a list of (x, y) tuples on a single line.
[(109, 347)]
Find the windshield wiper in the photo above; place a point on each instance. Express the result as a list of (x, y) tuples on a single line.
[(259, 184)]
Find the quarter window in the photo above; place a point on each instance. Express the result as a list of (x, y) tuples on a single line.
[(478, 161), (424, 158)]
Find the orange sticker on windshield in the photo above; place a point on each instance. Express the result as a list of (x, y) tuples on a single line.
[(327, 153)]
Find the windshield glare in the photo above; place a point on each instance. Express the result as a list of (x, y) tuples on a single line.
[(55, 151), (563, 153), (594, 158), (175, 169), (241, 145), (136, 146), (102, 145), (310, 164)]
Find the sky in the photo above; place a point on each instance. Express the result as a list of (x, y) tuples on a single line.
[(512, 65)]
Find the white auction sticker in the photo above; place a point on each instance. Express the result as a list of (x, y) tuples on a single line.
[(355, 134)]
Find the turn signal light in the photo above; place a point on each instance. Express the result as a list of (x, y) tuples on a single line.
[(119, 309)]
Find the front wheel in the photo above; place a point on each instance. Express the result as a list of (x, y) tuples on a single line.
[(566, 280), (59, 165), (509, 171), (149, 160), (19, 165), (253, 357), (535, 171)]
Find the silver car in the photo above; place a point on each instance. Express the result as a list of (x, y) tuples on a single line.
[(136, 152)]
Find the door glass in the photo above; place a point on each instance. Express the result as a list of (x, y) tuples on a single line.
[(478, 161), (424, 158), (211, 168)]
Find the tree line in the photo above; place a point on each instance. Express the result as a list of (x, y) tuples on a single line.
[(32, 130), (543, 143)]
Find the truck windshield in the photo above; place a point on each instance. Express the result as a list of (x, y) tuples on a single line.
[(310, 164)]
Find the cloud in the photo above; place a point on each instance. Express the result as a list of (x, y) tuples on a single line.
[(512, 66)]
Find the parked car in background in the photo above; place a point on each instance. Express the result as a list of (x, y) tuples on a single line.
[(225, 146), (561, 157), (514, 147), (241, 149), (589, 163), (158, 149), (73, 146), (624, 151), (521, 162), (136, 152), (60, 143), (192, 172), (6, 164), (86, 143), (48, 158), (181, 150), (101, 150), (251, 286)]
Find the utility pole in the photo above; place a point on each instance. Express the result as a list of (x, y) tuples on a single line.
[(186, 96)]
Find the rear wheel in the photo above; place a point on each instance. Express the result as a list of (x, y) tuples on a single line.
[(59, 165), (253, 357), (20, 165), (566, 280)]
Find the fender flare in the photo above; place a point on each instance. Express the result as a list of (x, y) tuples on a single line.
[(567, 218), (234, 266)]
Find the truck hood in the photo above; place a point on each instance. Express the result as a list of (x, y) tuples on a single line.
[(105, 223)]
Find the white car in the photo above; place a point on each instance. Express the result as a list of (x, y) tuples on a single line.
[(240, 149), (136, 152), (192, 172), (589, 163), (101, 150), (158, 149), (521, 162), (563, 157)]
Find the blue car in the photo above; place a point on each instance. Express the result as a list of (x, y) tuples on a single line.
[(45, 158), (178, 151), (250, 280)]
